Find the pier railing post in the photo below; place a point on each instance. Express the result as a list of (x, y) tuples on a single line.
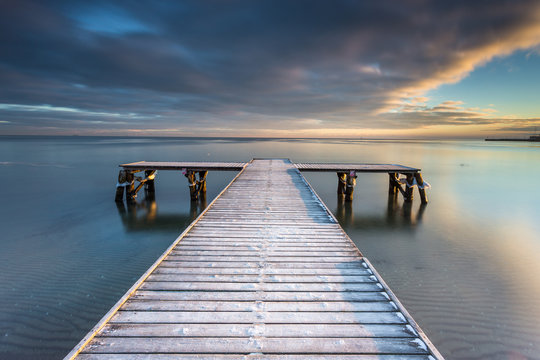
[(351, 182)]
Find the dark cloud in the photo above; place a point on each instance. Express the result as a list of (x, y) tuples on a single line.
[(247, 64)]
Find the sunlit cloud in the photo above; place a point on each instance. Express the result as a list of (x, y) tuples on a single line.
[(61, 109), (368, 69)]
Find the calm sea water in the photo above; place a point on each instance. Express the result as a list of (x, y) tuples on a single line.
[(466, 266)]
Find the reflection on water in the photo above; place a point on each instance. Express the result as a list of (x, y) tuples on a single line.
[(137, 215), (397, 215)]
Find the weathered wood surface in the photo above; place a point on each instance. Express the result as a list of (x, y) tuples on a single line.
[(384, 168), (235, 166), (264, 273), (188, 165)]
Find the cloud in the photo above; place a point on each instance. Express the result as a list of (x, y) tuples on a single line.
[(252, 64)]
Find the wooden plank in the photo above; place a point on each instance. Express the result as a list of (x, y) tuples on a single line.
[(243, 317), (260, 241), (130, 345), (267, 271), (255, 356), (225, 286), (268, 252), (169, 262), (385, 168), (256, 296), (278, 241), (266, 330), (298, 306), (261, 246), (266, 278), (179, 165), (255, 258)]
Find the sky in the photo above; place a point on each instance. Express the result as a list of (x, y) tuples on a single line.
[(276, 68)]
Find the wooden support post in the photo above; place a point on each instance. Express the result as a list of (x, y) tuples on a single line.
[(201, 186), (120, 186), (190, 175), (397, 184), (341, 185), (149, 186), (421, 189), (130, 186), (351, 182), (409, 191), (392, 183)]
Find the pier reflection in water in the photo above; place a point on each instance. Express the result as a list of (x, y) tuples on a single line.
[(143, 214), (398, 215)]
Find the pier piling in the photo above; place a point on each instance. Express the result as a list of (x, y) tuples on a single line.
[(351, 183)]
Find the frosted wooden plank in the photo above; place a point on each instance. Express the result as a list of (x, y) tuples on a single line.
[(329, 259), (266, 278), (240, 317), (179, 165), (161, 305), (224, 286), (254, 296), (260, 246), (356, 167), (255, 251), (267, 271), (261, 264), (95, 356), (266, 330), (253, 345)]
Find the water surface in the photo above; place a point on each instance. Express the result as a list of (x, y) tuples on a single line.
[(465, 266)]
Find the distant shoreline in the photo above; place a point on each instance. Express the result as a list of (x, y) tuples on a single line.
[(532, 138), (254, 138)]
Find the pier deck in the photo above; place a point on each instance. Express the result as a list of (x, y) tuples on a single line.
[(265, 272), (180, 165), (235, 166)]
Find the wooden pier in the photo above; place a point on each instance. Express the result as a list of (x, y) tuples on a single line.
[(265, 272), (346, 174)]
